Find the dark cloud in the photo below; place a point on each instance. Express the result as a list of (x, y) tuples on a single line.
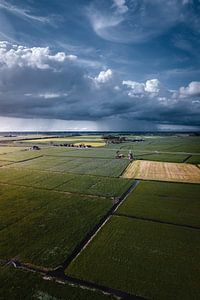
[(34, 83)]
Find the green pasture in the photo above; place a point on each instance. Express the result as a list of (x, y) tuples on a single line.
[(4, 163), (194, 159), (7, 149), (20, 155), (23, 285), (94, 185), (101, 167), (148, 259), (18, 202), (167, 144), (178, 158), (43, 227), (102, 152), (169, 202), (66, 182)]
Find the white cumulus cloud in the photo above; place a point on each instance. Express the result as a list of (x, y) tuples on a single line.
[(136, 88), (152, 86), (34, 57), (193, 89), (104, 76)]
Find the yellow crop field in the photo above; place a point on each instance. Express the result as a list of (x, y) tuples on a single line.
[(74, 140), (151, 170), (93, 144)]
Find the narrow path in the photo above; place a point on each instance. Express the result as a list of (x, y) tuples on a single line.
[(96, 229), (157, 151), (58, 274), (27, 159), (156, 221), (64, 279), (188, 157)]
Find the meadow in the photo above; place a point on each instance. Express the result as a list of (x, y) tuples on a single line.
[(147, 259), (43, 227), (166, 202), (176, 143), (66, 182), (58, 211), (80, 165), (17, 284)]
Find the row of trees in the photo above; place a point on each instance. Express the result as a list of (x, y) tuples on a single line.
[(113, 139)]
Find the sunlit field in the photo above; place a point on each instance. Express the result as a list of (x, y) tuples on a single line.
[(92, 217)]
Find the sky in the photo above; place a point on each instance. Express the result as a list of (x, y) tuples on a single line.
[(99, 65)]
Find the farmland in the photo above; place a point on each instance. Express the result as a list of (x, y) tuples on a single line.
[(101, 167), (21, 285), (151, 260), (63, 219), (110, 227), (94, 141), (66, 182), (149, 170), (169, 202)]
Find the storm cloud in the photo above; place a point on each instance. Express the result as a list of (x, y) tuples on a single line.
[(39, 83), (110, 64)]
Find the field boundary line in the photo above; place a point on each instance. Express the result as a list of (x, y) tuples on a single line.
[(64, 172), (167, 181), (89, 237), (32, 158), (61, 278), (77, 156), (54, 190), (188, 157), (156, 221)]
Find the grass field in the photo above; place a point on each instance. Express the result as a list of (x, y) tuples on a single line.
[(52, 198), (74, 183), (85, 152), (43, 227), (155, 261), (162, 157), (149, 170), (4, 163), (102, 167), (20, 155), (94, 185), (168, 202), (5, 149), (189, 144), (194, 159), (17, 284)]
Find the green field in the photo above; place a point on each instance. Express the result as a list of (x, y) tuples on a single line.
[(7, 149), (20, 155), (17, 284), (94, 185), (51, 199), (170, 202), (189, 144), (101, 167), (74, 183), (163, 157), (155, 261), (4, 163), (43, 227), (194, 159)]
